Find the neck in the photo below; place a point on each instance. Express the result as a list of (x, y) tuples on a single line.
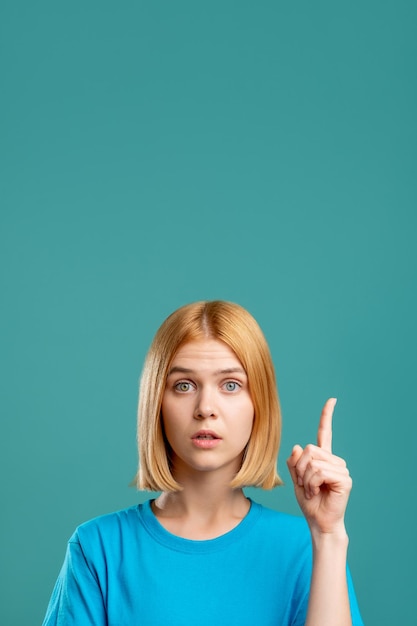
[(204, 509)]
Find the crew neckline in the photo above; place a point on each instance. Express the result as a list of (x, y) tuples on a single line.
[(174, 542)]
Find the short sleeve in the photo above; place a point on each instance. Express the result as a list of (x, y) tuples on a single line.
[(354, 608), (76, 598)]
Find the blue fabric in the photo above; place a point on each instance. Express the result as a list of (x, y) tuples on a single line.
[(125, 569)]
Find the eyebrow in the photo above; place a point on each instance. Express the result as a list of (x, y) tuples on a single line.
[(228, 370)]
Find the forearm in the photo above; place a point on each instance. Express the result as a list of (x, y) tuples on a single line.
[(329, 600)]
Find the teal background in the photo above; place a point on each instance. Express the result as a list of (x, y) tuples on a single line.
[(157, 153)]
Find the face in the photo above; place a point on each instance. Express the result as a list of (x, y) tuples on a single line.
[(207, 410)]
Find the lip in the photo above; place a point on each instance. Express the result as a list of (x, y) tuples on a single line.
[(206, 433), (206, 444)]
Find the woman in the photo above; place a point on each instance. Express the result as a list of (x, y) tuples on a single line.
[(201, 552)]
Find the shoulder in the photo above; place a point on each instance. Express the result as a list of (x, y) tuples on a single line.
[(110, 525), (281, 543), (285, 528), (282, 521)]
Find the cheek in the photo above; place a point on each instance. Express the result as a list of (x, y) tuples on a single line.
[(246, 418), (168, 427), (249, 425), (168, 411), (166, 416), (248, 410), (171, 417)]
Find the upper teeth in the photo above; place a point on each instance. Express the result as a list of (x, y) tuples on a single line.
[(205, 437)]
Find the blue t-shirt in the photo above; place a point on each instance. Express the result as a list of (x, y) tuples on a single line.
[(126, 569)]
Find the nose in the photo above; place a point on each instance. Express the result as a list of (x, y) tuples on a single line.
[(205, 406)]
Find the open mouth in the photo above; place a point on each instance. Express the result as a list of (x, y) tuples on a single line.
[(205, 434), (205, 439)]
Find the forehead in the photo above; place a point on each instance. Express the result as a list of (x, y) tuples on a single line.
[(204, 352)]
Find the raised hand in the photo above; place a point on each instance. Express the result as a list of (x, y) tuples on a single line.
[(321, 480)]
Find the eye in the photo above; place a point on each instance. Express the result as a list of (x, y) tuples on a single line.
[(183, 386), (231, 385)]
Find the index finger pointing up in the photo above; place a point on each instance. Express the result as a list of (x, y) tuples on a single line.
[(324, 433)]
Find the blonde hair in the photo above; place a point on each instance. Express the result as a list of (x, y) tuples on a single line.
[(232, 324)]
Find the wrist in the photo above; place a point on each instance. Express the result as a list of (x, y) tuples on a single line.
[(337, 539)]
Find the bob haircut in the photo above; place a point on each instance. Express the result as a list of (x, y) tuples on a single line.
[(232, 324)]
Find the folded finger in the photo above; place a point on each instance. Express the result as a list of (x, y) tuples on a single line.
[(312, 453), (319, 474), (292, 462)]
